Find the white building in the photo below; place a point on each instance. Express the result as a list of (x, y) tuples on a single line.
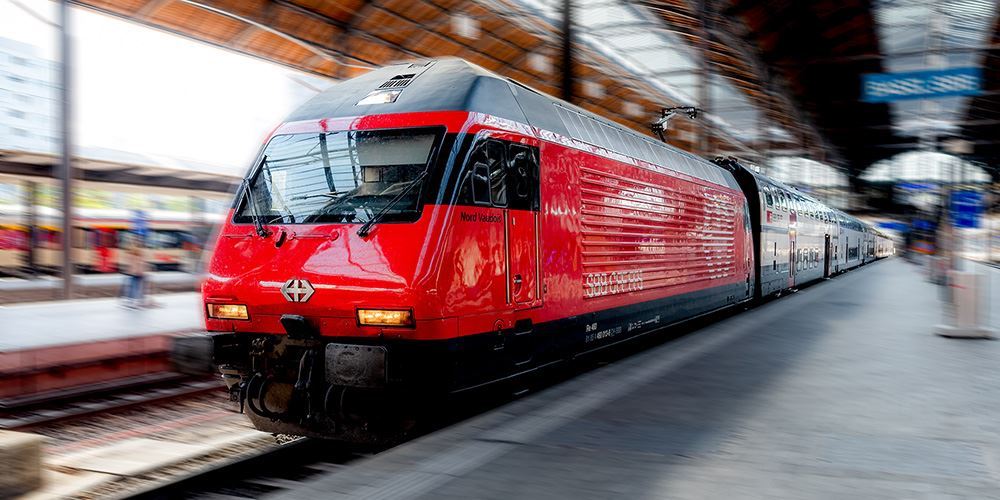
[(27, 99)]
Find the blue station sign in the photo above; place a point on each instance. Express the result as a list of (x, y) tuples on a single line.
[(930, 84), (966, 209)]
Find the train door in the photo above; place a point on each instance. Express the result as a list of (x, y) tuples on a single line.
[(835, 248), (827, 250), (522, 224), (523, 273), (793, 259)]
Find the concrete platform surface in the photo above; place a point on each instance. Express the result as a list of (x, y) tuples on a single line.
[(46, 324), (838, 391), (95, 280)]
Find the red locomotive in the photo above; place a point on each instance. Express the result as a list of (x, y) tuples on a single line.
[(432, 227)]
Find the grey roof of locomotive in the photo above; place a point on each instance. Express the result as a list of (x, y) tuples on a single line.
[(456, 85)]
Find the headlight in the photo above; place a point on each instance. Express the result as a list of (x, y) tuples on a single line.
[(385, 317), (227, 311)]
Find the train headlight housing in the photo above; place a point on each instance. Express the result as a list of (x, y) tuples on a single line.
[(227, 311), (385, 317)]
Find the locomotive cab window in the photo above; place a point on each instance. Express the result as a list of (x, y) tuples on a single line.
[(501, 174), (342, 176), (486, 175)]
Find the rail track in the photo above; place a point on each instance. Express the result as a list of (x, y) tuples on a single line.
[(48, 408), (269, 471)]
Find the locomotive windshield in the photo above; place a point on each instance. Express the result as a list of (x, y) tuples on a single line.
[(345, 176)]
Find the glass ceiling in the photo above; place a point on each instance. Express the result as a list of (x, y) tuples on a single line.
[(805, 173), (927, 34), (926, 166), (639, 41)]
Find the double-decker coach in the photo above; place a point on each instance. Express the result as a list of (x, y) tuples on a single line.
[(797, 238)]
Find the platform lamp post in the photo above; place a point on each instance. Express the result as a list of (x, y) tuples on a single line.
[(66, 165)]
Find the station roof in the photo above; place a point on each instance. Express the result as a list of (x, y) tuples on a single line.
[(790, 69), (981, 122), (926, 34), (515, 38), (121, 167), (821, 49)]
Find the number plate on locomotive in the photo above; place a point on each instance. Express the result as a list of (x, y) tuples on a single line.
[(355, 365)]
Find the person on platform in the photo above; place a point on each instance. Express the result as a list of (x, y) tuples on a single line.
[(135, 270)]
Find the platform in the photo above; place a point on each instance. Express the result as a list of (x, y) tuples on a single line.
[(838, 391), (46, 324), (42, 288), (61, 345)]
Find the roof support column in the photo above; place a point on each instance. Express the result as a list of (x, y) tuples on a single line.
[(704, 78), (66, 170), (31, 223), (567, 51)]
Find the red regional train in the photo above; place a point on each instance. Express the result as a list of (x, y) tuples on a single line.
[(431, 228)]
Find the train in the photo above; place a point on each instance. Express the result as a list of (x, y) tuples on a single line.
[(173, 240), (431, 228), (98, 238)]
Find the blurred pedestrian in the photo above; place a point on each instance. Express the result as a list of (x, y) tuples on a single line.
[(135, 271)]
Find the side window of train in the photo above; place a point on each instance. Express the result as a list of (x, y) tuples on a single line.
[(486, 184), (522, 177), (767, 196)]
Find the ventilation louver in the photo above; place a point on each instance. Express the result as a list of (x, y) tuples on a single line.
[(397, 82)]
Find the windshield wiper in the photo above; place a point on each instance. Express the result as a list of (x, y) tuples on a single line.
[(367, 227), (252, 203), (331, 194)]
